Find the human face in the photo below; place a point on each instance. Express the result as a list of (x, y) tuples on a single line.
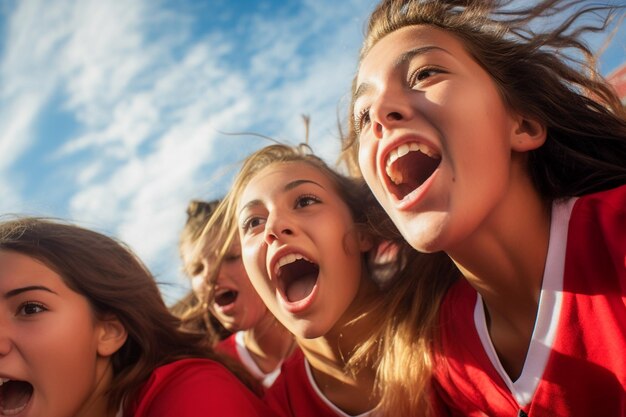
[(434, 136), (49, 344), (234, 301), (300, 246)]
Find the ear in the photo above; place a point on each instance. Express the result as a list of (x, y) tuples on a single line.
[(111, 336), (528, 134), (365, 241)]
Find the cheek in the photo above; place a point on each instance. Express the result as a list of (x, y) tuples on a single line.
[(367, 159)]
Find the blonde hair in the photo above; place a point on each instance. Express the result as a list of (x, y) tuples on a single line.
[(393, 339), (194, 313)]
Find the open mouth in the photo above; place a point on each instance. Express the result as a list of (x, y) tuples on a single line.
[(225, 297), (14, 396), (297, 276), (409, 166)]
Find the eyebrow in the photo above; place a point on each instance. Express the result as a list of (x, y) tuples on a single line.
[(21, 290), (405, 57), (289, 186)]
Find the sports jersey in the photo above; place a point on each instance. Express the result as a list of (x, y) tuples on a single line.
[(295, 393), (576, 361), (196, 387), (235, 347)]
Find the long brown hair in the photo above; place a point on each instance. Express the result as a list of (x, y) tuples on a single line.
[(549, 75), (115, 282)]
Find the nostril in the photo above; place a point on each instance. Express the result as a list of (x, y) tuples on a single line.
[(394, 115)]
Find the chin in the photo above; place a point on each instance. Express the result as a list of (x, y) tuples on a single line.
[(424, 235)]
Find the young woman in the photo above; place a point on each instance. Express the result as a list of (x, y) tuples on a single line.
[(259, 342), (192, 307), (480, 138), (305, 239), (84, 333)]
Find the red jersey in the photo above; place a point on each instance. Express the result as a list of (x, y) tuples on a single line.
[(196, 387), (235, 347), (576, 361), (295, 393)]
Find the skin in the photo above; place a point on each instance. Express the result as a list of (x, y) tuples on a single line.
[(419, 84), (248, 309), (266, 340), (294, 208), (281, 214), (50, 338)]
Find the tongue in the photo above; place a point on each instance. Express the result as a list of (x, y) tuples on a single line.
[(14, 396), (300, 288)]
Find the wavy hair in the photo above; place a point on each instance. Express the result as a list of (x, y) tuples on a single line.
[(115, 282), (549, 75)]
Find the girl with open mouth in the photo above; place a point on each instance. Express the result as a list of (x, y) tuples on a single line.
[(84, 333), (485, 132), (258, 341), (305, 240)]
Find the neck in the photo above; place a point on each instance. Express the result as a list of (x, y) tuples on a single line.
[(348, 387), (269, 343), (504, 261), (97, 403)]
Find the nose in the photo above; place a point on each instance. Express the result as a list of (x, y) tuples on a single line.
[(390, 109), (277, 227), (5, 341)]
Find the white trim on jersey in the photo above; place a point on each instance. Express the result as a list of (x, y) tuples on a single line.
[(548, 313)]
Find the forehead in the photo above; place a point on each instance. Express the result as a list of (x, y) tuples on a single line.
[(273, 179), (388, 51), (20, 269)]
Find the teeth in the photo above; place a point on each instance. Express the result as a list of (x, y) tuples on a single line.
[(3, 380), (401, 151), (392, 157), (287, 259), (221, 291)]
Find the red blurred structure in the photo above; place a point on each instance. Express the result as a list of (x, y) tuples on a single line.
[(618, 79)]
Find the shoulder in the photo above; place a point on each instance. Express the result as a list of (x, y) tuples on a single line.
[(191, 387), (596, 242)]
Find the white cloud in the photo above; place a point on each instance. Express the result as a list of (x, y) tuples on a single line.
[(152, 99)]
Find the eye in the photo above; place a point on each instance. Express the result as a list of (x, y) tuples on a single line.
[(196, 269), (30, 308), (424, 73), (252, 222), (306, 200), (232, 257), (361, 119)]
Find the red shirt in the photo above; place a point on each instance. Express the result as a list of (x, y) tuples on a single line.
[(576, 362), (295, 393), (193, 388)]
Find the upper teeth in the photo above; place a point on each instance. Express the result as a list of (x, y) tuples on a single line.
[(287, 259), (3, 380), (402, 150)]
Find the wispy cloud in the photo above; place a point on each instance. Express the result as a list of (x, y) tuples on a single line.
[(150, 98)]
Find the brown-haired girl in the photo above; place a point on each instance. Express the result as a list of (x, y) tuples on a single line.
[(496, 142), (84, 333)]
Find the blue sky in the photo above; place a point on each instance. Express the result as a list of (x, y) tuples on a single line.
[(112, 112)]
